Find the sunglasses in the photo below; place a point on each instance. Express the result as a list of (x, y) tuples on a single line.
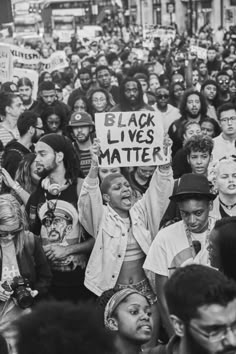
[(223, 81), (12, 233), (163, 96)]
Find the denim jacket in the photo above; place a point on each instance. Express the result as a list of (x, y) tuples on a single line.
[(109, 230)]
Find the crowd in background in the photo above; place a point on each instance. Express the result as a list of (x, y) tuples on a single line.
[(120, 242)]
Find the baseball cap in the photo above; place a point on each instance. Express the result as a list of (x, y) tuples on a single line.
[(81, 119), (9, 87)]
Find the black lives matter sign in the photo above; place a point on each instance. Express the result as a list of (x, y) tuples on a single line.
[(130, 138)]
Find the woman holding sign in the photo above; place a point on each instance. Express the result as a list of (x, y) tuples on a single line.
[(123, 231)]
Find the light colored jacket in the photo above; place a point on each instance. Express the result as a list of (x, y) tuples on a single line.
[(109, 229)]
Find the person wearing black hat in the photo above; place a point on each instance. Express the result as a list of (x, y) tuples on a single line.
[(81, 127), (53, 215), (186, 241)]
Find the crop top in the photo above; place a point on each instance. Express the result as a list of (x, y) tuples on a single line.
[(133, 250)]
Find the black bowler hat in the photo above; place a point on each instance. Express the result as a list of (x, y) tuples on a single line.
[(192, 185)]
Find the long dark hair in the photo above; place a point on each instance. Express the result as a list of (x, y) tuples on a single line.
[(23, 173), (184, 102)]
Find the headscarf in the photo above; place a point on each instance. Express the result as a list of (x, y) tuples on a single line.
[(115, 301)]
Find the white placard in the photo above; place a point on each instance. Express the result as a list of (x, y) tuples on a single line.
[(201, 52), (5, 63), (130, 139)]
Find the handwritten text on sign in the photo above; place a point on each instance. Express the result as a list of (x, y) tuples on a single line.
[(130, 138)]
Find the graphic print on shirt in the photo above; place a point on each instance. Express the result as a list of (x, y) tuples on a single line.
[(59, 227)]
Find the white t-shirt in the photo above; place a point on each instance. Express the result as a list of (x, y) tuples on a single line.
[(222, 148), (10, 267), (171, 250), (168, 117)]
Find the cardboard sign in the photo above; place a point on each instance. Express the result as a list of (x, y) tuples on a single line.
[(201, 52), (56, 61), (24, 58), (30, 59), (130, 139), (5, 64)]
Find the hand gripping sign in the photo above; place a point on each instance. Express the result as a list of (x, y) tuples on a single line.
[(130, 139)]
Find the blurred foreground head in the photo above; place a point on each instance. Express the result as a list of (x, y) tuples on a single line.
[(63, 328)]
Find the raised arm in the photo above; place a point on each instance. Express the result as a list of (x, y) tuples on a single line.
[(156, 199), (90, 205)]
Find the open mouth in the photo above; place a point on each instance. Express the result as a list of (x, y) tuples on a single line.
[(126, 199), (232, 186)]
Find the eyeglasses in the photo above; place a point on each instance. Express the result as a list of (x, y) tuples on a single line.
[(12, 233), (228, 120), (163, 96), (217, 335)]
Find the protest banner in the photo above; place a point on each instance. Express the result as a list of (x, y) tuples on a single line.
[(24, 58), (5, 63), (56, 61), (31, 74), (30, 59), (200, 52), (130, 138)]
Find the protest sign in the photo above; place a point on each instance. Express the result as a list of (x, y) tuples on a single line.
[(56, 61), (30, 59), (130, 138), (200, 52), (5, 64), (31, 74), (24, 58)]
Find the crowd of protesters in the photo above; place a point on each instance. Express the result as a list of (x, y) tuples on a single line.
[(120, 260)]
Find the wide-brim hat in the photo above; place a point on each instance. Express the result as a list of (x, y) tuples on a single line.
[(193, 185)]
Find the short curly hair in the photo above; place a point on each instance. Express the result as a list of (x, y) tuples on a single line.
[(199, 143)]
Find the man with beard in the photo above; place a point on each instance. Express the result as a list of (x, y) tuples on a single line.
[(81, 127), (201, 303), (53, 215), (30, 128), (185, 241), (193, 108), (25, 89), (131, 97), (48, 98)]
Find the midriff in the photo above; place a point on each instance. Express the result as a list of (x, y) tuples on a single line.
[(131, 272)]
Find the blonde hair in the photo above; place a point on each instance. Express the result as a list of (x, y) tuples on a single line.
[(214, 169), (11, 212)]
